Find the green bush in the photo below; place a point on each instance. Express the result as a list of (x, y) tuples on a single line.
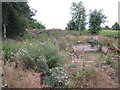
[(57, 77), (30, 54), (53, 56), (42, 65)]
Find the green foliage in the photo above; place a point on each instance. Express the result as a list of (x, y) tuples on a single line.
[(52, 56), (93, 43), (21, 19), (16, 24), (96, 18), (34, 24), (27, 36), (36, 55), (42, 65), (116, 26), (57, 77), (110, 32), (90, 72), (78, 77), (30, 54), (108, 59), (44, 53), (70, 84), (73, 66), (71, 25), (106, 28), (111, 61), (9, 49), (43, 37), (78, 13)]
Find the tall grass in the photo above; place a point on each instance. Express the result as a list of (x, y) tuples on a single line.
[(9, 49)]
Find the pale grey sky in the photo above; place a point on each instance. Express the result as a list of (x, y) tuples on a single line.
[(56, 13)]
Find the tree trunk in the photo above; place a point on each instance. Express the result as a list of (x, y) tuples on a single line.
[(4, 29)]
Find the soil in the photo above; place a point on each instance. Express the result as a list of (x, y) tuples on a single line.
[(103, 78), (18, 78)]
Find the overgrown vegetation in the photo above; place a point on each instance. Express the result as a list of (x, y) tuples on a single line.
[(59, 58), (52, 56)]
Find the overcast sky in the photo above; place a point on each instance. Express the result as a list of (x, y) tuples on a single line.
[(56, 13)]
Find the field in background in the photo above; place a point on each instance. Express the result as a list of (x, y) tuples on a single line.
[(110, 32)]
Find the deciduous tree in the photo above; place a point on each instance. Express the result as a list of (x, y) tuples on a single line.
[(116, 26), (96, 18), (78, 13)]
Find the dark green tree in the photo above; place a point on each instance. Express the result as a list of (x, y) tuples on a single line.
[(71, 25), (107, 27), (96, 18), (116, 26), (15, 17), (78, 13)]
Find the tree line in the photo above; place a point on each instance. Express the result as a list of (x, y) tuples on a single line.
[(96, 19), (17, 17), (115, 26)]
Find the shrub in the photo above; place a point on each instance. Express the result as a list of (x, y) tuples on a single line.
[(57, 77), (42, 65), (30, 54), (52, 55)]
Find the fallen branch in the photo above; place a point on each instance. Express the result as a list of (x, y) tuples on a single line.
[(116, 48)]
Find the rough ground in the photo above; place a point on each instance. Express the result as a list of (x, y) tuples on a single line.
[(103, 78), (17, 78)]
